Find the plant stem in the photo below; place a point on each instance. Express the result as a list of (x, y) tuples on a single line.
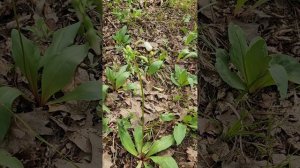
[(143, 97)]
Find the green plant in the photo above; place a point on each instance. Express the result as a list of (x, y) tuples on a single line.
[(152, 66), (117, 78), (122, 38), (146, 151), (182, 77), (190, 37), (241, 3), (191, 120), (92, 36), (182, 4), (7, 97), (256, 69), (127, 15), (40, 29), (57, 67), (58, 64), (186, 53)]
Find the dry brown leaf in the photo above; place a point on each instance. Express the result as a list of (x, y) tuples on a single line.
[(81, 140), (192, 154), (107, 162)]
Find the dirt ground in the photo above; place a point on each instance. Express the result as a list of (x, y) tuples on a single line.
[(161, 25), (256, 130)]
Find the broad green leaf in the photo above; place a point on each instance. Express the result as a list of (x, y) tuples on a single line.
[(191, 54), (257, 55), (126, 140), (237, 39), (282, 59), (7, 97), (132, 86), (281, 79), (190, 37), (86, 91), (179, 133), (167, 117), (94, 40), (147, 165), (183, 53), (103, 92), (154, 67), (121, 79), (121, 70), (60, 70), (161, 144), (290, 64), (6, 160), (174, 80), (222, 67), (146, 147), (109, 73), (29, 62), (138, 138), (192, 79), (62, 38), (164, 161), (264, 81), (293, 72)]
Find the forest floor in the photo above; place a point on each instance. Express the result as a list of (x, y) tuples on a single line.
[(66, 134), (256, 130), (165, 27)]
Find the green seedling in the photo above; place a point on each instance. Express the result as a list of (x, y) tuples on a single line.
[(81, 7), (122, 38), (182, 4), (127, 15), (190, 38), (121, 14), (130, 55), (241, 3), (167, 117), (187, 18), (186, 53), (54, 70), (152, 66), (256, 69), (40, 29), (191, 120), (145, 152), (117, 78), (182, 78)]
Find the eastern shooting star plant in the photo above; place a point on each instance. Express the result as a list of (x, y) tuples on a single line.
[(256, 69), (53, 71)]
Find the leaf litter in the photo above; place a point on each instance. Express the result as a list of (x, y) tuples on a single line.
[(257, 130)]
